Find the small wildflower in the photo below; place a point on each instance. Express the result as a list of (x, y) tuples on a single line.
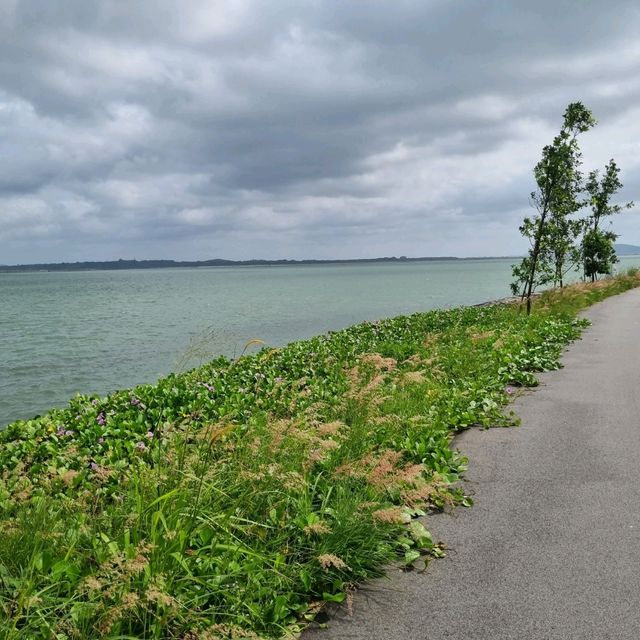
[(100, 419), (94, 402), (149, 435), (94, 466), (134, 401), (68, 433), (509, 390), (141, 446), (100, 440), (60, 431)]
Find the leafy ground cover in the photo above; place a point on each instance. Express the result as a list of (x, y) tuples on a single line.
[(235, 499)]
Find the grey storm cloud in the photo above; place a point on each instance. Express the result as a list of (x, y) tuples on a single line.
[(295, 129)]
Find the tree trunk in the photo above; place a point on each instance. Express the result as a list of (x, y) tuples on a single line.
[(534, 260)]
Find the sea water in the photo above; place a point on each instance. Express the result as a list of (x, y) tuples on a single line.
[(63, 333)]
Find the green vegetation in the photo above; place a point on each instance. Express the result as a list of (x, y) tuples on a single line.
[(559, 183), (231, 501), (560, 239), (598, 250)]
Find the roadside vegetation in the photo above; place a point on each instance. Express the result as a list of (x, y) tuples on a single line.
[(562, 239), (233, 500)]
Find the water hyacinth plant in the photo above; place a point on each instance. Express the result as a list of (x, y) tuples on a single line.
[(232, 500)]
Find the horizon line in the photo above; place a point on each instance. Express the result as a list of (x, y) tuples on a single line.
[(120, 262)]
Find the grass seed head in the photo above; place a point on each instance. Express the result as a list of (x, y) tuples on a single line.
[(329, 560), (317, 528), (392, 515)]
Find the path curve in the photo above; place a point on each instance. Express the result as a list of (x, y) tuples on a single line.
[(551, 549)]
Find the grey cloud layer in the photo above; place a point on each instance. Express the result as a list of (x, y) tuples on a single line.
[(287, 129)]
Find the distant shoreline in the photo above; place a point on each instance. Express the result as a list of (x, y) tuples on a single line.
[(623, 251), (116, 265)]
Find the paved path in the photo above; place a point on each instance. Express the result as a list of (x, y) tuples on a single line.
[(551, 548)]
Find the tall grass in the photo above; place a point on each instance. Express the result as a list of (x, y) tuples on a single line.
[(231, 501)]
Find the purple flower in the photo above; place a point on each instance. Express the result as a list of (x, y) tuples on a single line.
[(509, 390), (100, 440), (141, 446), (149, 434), (100, 419), (60, 431), (94, 402), (135, 401), (278, 380), (68, 432), (94, 466)]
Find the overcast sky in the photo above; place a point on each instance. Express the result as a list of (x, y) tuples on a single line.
[(299, 128)]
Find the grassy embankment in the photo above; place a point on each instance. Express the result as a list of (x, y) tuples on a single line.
[(232, 500)]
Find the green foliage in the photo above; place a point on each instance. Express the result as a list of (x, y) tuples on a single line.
[(597, 245), (559, 184), (554, 231), (231, 499), (601, 190), (599, 252), (564, 250)]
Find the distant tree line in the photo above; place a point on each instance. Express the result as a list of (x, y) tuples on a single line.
[(561, 239), (114, 265)]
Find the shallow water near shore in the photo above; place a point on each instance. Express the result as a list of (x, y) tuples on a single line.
[(97, 331)]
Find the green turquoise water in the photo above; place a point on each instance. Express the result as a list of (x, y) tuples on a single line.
[(97, 331)]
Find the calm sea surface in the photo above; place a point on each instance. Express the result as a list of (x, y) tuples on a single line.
[(97, 331)]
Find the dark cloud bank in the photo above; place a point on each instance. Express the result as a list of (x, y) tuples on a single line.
[(243, 129)]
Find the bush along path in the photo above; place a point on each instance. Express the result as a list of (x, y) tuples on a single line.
[(233, 500)]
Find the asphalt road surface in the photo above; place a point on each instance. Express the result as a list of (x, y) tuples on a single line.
[(551, 548)]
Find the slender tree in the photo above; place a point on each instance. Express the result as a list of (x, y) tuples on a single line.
[(564, 233), (543, 272), (598, 251), (559, 183)]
